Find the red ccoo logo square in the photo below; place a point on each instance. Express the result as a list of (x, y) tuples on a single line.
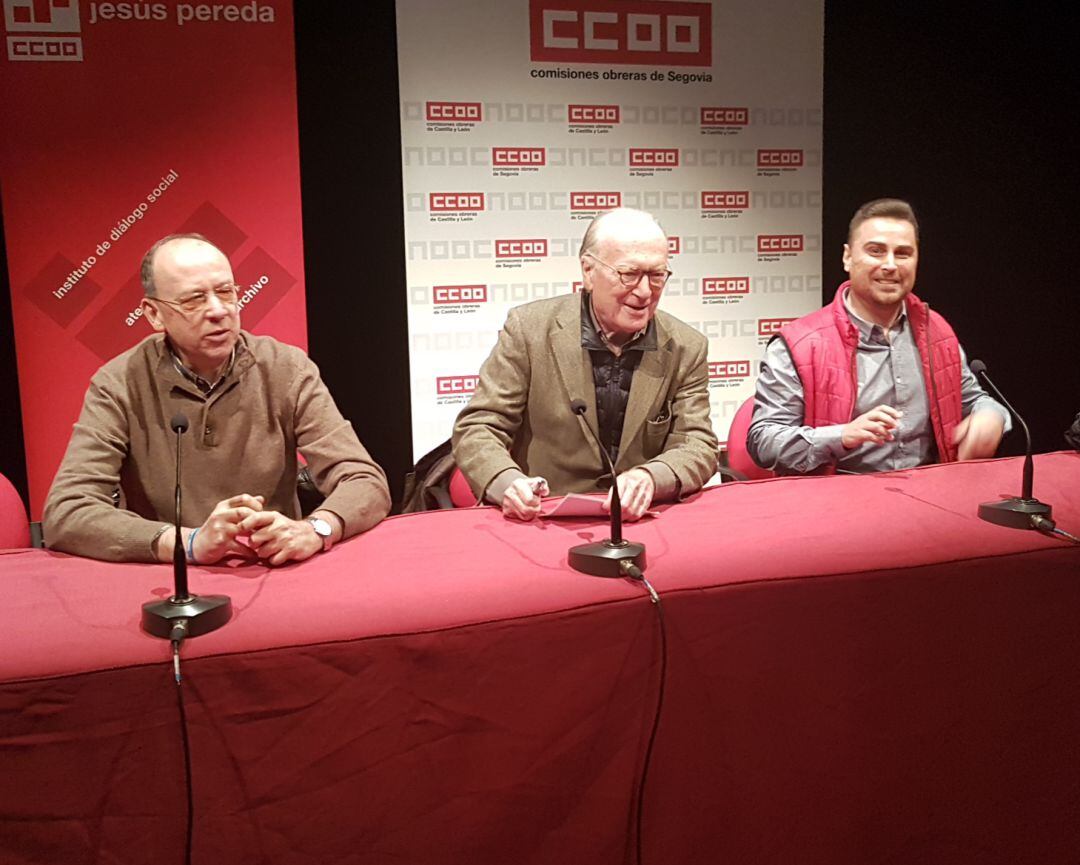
[(625, 33), (459, 112), (721, 285), (521, 248), (455, 385), (727, 369), (779, 243), (724, 200), (460, 294), (456, 202), (779, 159), (719, 116), (769, 326), (517, 156), (654, 157), (593, 114), (673, 245), (595, 200)]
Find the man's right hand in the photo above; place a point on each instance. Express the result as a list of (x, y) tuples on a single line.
[(216, 537), (875, 426), (523, 498)]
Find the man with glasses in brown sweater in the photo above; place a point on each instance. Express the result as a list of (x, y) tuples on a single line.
[(252, 402)]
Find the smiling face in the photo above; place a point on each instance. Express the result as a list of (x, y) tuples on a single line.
[(624, 241), (881, 257), (204, 339)]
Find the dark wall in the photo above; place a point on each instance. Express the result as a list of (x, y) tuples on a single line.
[(970, 118)]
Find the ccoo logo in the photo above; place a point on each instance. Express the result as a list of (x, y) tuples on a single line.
[(769, 326), (593, 114), (628, 33), (725, 285), (517, 156), (654, 157), (455, 385), (717, 116), (779, 243), (456, 202), (595, 200), (458, 112), (521, 248), (726, 200), (779, 159), (728, 369), (460, 294), (28, 19)]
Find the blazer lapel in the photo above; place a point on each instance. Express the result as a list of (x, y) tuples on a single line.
[(574, 367)]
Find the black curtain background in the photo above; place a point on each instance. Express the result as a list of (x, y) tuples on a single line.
[(970, 117)]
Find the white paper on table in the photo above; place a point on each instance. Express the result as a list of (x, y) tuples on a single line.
[(578, 505)]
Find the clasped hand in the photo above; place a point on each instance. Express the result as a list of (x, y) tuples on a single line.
[(239, 526)]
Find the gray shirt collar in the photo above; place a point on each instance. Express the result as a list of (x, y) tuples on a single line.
[(868, 329)]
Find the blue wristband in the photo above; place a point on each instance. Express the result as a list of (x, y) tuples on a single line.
[(191, 547)]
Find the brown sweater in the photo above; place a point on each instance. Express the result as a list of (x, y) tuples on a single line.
[(243, 438)]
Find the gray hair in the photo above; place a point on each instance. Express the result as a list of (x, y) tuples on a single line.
[(588, 242)]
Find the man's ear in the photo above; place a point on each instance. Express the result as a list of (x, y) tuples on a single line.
[(587, 268), (153, 315), (847, 258)]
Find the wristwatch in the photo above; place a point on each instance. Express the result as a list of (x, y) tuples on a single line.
[(323, 530)]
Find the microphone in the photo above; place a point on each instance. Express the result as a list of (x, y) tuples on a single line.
[(579, 408), (613, 557), (1025, 512), (179, 425), (184, 614)]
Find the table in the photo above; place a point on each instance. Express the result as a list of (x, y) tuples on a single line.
[(859, 671)]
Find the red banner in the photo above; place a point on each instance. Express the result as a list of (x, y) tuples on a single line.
[(124, 122)]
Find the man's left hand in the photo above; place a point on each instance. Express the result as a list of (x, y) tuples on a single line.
[(978, 435), (636, 488), (277, 539)]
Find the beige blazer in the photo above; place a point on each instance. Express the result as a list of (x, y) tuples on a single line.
[(520, 416)]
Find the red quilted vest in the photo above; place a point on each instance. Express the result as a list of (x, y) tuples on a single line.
[(823, 346)]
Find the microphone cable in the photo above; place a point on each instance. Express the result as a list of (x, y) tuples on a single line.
[(1048, 527), (179, 631), (635, 573)]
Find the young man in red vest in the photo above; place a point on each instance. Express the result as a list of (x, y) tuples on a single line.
[(875, 381)]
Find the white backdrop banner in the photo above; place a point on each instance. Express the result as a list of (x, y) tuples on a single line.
[(521, 119)]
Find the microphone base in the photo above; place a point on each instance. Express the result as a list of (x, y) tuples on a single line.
[(204, 614), (603, 559), (1014, 513)]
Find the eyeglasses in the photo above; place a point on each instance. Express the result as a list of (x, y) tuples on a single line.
[(197, 301), (631, 277)]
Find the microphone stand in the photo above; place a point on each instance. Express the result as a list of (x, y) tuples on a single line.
[(614, 556), (183, 614), (1025, 512)]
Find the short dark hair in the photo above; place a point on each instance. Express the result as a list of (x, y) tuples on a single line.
[(146, 269), (886, 208)]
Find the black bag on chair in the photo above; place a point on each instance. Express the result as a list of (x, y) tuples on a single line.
[(427, 486), (1072, 434)]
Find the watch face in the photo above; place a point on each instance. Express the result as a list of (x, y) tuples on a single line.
[(322, 527)]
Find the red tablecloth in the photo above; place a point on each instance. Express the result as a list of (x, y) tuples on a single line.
[(860, 671)]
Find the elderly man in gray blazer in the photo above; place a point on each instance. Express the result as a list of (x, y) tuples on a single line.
[(642, 374)]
